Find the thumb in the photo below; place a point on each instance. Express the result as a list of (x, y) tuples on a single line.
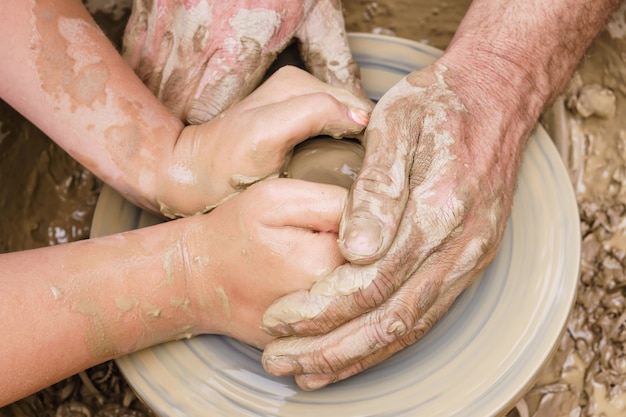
[(377, 201)]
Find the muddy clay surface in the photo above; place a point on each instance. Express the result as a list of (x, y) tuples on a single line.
[(46, 198)]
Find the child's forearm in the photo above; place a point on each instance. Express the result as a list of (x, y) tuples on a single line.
[(60, 71), (72, 306)]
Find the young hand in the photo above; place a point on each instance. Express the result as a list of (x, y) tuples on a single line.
[(253, 140)]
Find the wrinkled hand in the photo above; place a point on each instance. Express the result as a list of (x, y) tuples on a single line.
[(276, 237), (201, 57), (253, 140), (425, 217)]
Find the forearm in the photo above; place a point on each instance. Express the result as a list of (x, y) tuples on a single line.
[(511, 59), (531, 46), (69, 307), (60, 71)]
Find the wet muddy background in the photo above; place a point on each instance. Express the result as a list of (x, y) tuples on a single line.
[(46, 198)]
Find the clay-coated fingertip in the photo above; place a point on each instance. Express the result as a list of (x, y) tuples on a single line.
[(312, 382), (281, 365)]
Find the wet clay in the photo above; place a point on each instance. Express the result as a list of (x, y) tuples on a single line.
[(587, 376), (327, 160)]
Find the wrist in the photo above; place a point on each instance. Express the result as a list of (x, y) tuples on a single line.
[(510, 59), (153, 299), (182, 189), (495, 86), (189, 262), (501, 111)]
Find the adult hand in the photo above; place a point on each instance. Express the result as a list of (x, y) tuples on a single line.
[(428, 210), (276, 237), (425, 217), (254, 140), (201, 57)]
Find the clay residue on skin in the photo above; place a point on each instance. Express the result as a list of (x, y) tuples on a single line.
[(298, 307), (348, 283), (153, 312), (325, 61), (125, 303), (196, 26), (223, 300), (170, 264), (56, 293), (98, 340), (247, 25), (301, 306), (428, 214), (240, 182), (252, 30), (126, 136), (435, 140), (77, 73), (179, 303)]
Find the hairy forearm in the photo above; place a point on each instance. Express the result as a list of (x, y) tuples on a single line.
[(529, 47), (512, 58), (59, 70), (69, 307), (524, 52)]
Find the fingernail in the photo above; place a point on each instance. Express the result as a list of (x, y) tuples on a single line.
[(360, 116), (279, 365), (317, 381), (363, 238)]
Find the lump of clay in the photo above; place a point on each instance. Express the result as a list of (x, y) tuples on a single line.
[(327, 160), (594, 100)]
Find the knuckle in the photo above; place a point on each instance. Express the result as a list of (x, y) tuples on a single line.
[(401, 317), (417, 332), (326, 101), (329, 360), (381, 180), (388, 326), (379, 289), (379, 336)]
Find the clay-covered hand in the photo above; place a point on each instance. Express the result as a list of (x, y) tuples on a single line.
[(200, 57), (424, 218), (253, 140), (276, 237)]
